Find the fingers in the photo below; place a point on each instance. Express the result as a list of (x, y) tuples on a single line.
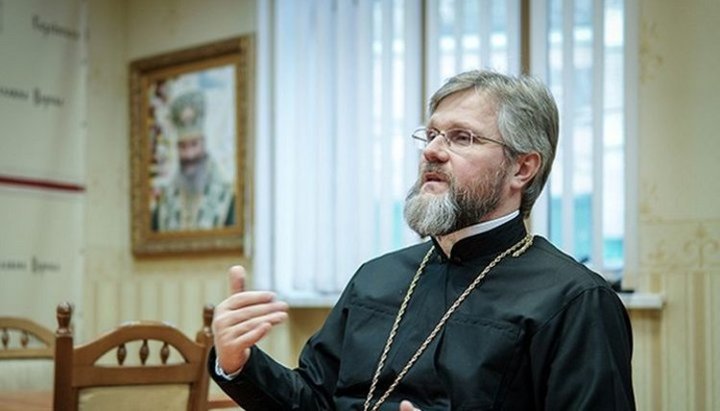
[(233, 323), (407, 406), (242, 320), (237, 310), (252, 335), (247, 298), (237, 279), (233, 339), (244, 311)]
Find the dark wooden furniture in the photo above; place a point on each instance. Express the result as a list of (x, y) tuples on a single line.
[(78, 368)]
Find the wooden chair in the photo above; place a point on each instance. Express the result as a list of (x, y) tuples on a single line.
[(26, 355), (83, 381), (31, 340)]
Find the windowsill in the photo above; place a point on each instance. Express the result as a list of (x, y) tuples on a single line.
[(642, 301)]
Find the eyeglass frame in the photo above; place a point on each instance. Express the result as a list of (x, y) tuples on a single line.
[(473, 137)]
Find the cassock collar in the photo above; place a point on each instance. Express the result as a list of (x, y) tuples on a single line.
[(490, 242)]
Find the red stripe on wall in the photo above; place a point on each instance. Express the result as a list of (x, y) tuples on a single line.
[(41, 184)]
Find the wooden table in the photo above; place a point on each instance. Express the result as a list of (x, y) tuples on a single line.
[(43, 401)]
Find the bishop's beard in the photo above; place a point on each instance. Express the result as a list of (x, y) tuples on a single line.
[(194, 174), (439, 214)]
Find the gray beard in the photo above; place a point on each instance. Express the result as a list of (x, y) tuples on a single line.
[(437, 215), (193, 178)]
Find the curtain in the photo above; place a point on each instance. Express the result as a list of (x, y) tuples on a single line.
[(339, 92)]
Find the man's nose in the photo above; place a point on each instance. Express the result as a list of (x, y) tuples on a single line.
[(437, 150)]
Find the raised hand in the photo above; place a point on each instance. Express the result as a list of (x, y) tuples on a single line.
[(243, 319)]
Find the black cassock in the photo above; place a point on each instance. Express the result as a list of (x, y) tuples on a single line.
[(540, 332)]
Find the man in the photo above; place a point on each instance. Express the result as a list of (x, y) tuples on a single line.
[(482, 316), (197, 197)]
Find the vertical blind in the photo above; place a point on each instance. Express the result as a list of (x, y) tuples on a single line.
[(581, 56), (339, 94)]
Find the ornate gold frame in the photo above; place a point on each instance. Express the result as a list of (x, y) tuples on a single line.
[(150, 72)]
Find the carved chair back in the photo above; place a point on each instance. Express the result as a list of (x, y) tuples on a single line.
[(24, 338), (169, 368)]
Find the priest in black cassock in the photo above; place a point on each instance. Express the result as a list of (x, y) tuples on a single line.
[(481, 316)]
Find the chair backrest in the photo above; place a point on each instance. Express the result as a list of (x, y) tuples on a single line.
[(24, 338), (84, 379), (26, 355)]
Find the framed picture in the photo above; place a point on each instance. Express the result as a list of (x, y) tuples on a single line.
[(189, 114)]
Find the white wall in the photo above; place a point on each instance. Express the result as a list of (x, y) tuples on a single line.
[(118, 286)]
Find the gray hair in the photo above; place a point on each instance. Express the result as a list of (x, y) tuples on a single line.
[(527, 118)]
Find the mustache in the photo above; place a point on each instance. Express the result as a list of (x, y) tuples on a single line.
[(189, 162), (436, 169), (432, 168)]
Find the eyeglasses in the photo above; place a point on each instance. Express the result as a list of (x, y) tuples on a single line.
[(457, 138)]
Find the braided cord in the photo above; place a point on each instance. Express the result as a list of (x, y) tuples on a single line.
[(516, 250), (393, 331)]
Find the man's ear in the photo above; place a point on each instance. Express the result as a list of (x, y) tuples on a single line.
[(526, 167)]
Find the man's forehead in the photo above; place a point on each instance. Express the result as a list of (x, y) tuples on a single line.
[(468, 99), (464, 108), (445, 122)]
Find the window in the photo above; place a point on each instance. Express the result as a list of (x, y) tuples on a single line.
[(341, 84), (583, 63), (339, 92)]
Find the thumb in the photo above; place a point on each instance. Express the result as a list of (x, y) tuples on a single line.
[(407, 406), (237, 279)]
